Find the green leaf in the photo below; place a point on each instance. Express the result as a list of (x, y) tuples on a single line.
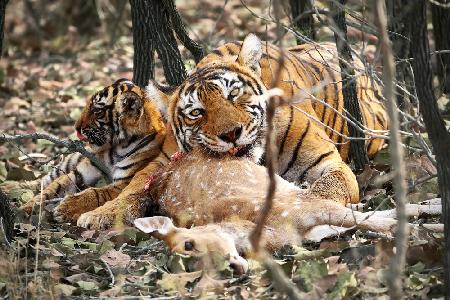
[(345, 283), (87, 285), (65, 289), (311, 271)]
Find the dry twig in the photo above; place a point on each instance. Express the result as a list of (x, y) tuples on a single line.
[(72, 146), (396, 152)]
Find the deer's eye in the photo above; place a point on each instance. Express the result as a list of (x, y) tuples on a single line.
[(188, 246)]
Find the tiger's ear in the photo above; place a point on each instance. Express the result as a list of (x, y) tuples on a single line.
[(159, 94), (251, 53), (131, 103)]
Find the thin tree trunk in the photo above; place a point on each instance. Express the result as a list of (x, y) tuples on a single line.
[(144, 48), (6, 219), (438, 134), (302, 18), (441, 26), (178, 26), (152, 31), (2, 23), (6, 214), (397, 11), (357, 152)]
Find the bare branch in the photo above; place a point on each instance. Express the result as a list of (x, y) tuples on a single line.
[(72, 146), (396, 152)]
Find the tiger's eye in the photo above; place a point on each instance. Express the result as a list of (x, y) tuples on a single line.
[(196, 112), (188, 246), (234, 92)]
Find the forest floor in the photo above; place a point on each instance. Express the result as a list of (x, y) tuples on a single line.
[(45, 91)]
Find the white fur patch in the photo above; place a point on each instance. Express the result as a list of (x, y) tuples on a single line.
[(251, 51), (155, 95)]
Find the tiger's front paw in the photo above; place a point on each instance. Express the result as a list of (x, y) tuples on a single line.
[(96, 220), (104, 217), (68, 210)]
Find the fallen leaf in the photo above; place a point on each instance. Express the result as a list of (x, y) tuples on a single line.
[(116, 260)]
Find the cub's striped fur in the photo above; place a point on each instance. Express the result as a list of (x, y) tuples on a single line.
[(125, 130)]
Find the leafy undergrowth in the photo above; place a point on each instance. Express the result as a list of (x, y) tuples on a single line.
[(46, 90)]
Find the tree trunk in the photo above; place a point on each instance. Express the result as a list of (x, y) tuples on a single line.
[(441, 25), (6, 219), (357, 152), (302, 18), (2, 23), (152, 32), (197, 51), (438, 134), (400, 30)]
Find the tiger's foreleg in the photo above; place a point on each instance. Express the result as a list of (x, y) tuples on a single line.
[(338, 183), (74, 205), (128, 205), (84, 174)]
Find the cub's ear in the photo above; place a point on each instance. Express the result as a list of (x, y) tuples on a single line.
[(160, 95), (251, 53), (160, 227), (131, 103)]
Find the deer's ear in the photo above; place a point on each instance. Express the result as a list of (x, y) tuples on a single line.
[(160, 95), (158, 226), (251, 53)]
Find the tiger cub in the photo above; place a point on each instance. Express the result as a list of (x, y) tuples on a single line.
[(125, 131)]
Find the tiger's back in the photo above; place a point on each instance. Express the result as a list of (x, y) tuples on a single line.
[(314, 69)]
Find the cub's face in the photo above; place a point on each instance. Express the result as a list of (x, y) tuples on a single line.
[(215, 107), (115, 114)]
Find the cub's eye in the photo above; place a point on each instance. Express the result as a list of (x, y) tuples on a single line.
[(188, 246), (196, 112), (234, 92)]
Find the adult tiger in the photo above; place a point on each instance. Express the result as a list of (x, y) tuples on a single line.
[(214, 109), (125, 130)]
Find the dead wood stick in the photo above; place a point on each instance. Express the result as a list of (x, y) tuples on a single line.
[(396, 152), (72, 146)]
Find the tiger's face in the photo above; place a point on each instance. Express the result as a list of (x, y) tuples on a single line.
[(215, 109), (116, 114)]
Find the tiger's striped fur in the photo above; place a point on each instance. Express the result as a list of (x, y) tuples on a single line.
[(214, 109), (310, 65), (125, 130)]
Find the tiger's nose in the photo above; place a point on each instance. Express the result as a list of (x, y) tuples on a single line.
[(232, 135)]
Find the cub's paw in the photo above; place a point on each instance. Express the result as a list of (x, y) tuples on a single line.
[(28, 207), (68, 210)]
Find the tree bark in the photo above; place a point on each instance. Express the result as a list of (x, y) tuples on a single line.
[(441, 25), (400, 30), (152, 32), (2, 23), (438, 134), (357, 152), (302, 18), (6, 219), (197, 51)]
